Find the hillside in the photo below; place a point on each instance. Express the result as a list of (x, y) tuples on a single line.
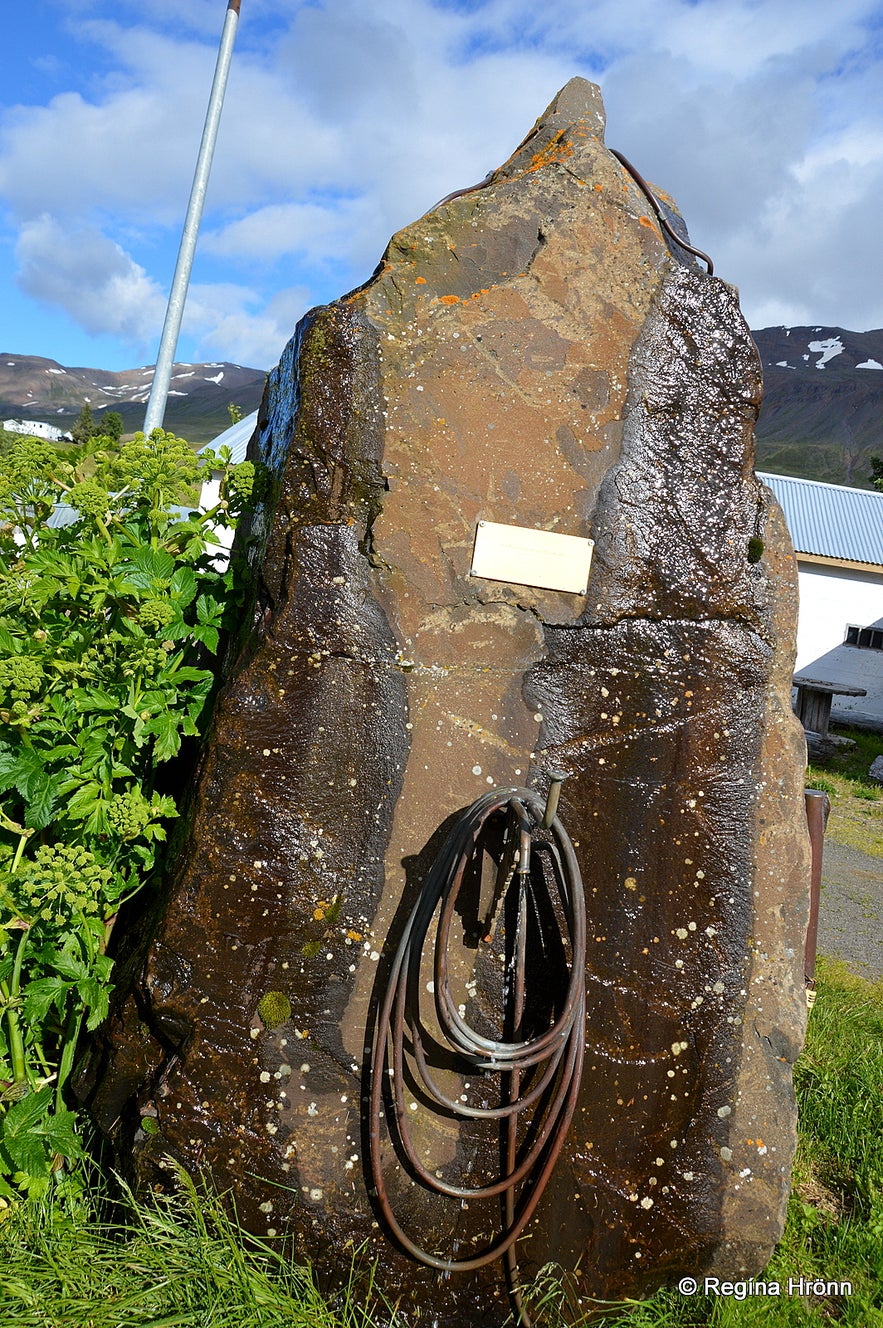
[(822, 416), (32, 388)]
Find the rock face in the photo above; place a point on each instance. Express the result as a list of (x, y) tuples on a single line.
[(533, 352)]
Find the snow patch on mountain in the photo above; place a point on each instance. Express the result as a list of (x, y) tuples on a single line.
[(826, 349)]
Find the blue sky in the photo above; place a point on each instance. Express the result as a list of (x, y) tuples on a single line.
[(344, 121)]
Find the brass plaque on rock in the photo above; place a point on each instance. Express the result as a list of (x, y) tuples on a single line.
[(532, 557)]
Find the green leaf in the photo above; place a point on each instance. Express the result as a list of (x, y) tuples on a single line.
[(94, 699), (148, 565), (42, 801), (168, 740), (23, 1115), (28, 1153), (59, 1131), (70, 966), (183, 585), (208, 609), (189, 674), (87, 798), (208, 635), (96, 999), (40, 997)]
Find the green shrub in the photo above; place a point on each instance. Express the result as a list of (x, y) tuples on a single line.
[(107, 628)]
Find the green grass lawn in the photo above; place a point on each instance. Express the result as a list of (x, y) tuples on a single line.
[(856, 801)]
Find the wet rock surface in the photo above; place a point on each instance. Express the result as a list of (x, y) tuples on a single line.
[(532, 352)]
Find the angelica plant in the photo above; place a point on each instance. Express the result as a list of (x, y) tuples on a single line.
[(108, 626)]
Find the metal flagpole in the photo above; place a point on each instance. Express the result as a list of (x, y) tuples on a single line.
[(162, 377)]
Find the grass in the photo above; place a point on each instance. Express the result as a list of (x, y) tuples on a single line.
[(178, 1261), (856, 818), (182, 1260)]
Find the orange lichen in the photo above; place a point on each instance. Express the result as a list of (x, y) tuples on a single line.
[(558, 150), (419, 281), (449, 299)]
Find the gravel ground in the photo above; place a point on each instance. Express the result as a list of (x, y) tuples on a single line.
[(851, 909)]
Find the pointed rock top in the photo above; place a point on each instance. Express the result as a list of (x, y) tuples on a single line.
[(574, 116)]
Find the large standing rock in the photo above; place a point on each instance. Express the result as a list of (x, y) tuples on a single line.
[(532, 352)]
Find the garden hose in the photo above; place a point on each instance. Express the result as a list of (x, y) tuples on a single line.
[(537, 1071)]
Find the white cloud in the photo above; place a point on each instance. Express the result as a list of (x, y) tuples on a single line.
[(344, 122), (90, 277), (225, 323)]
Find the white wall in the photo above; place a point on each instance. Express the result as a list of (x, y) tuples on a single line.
[(831, 599)]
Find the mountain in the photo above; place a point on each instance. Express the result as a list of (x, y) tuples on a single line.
[(822, 415), (32, 388)]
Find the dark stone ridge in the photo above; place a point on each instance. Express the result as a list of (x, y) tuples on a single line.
[(531, 352)]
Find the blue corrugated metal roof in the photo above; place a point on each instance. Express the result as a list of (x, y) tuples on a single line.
[(830, 520), (237, 437)]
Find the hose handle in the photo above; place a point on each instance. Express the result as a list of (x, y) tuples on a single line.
[(557, 778)]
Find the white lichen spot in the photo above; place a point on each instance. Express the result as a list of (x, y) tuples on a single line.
[(723, 1112), (646, 1202)]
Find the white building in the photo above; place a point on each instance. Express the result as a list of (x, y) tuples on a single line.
[(837, 534), (36, 429)]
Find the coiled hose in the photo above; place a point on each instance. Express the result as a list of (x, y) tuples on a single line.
[(539, 1073)]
